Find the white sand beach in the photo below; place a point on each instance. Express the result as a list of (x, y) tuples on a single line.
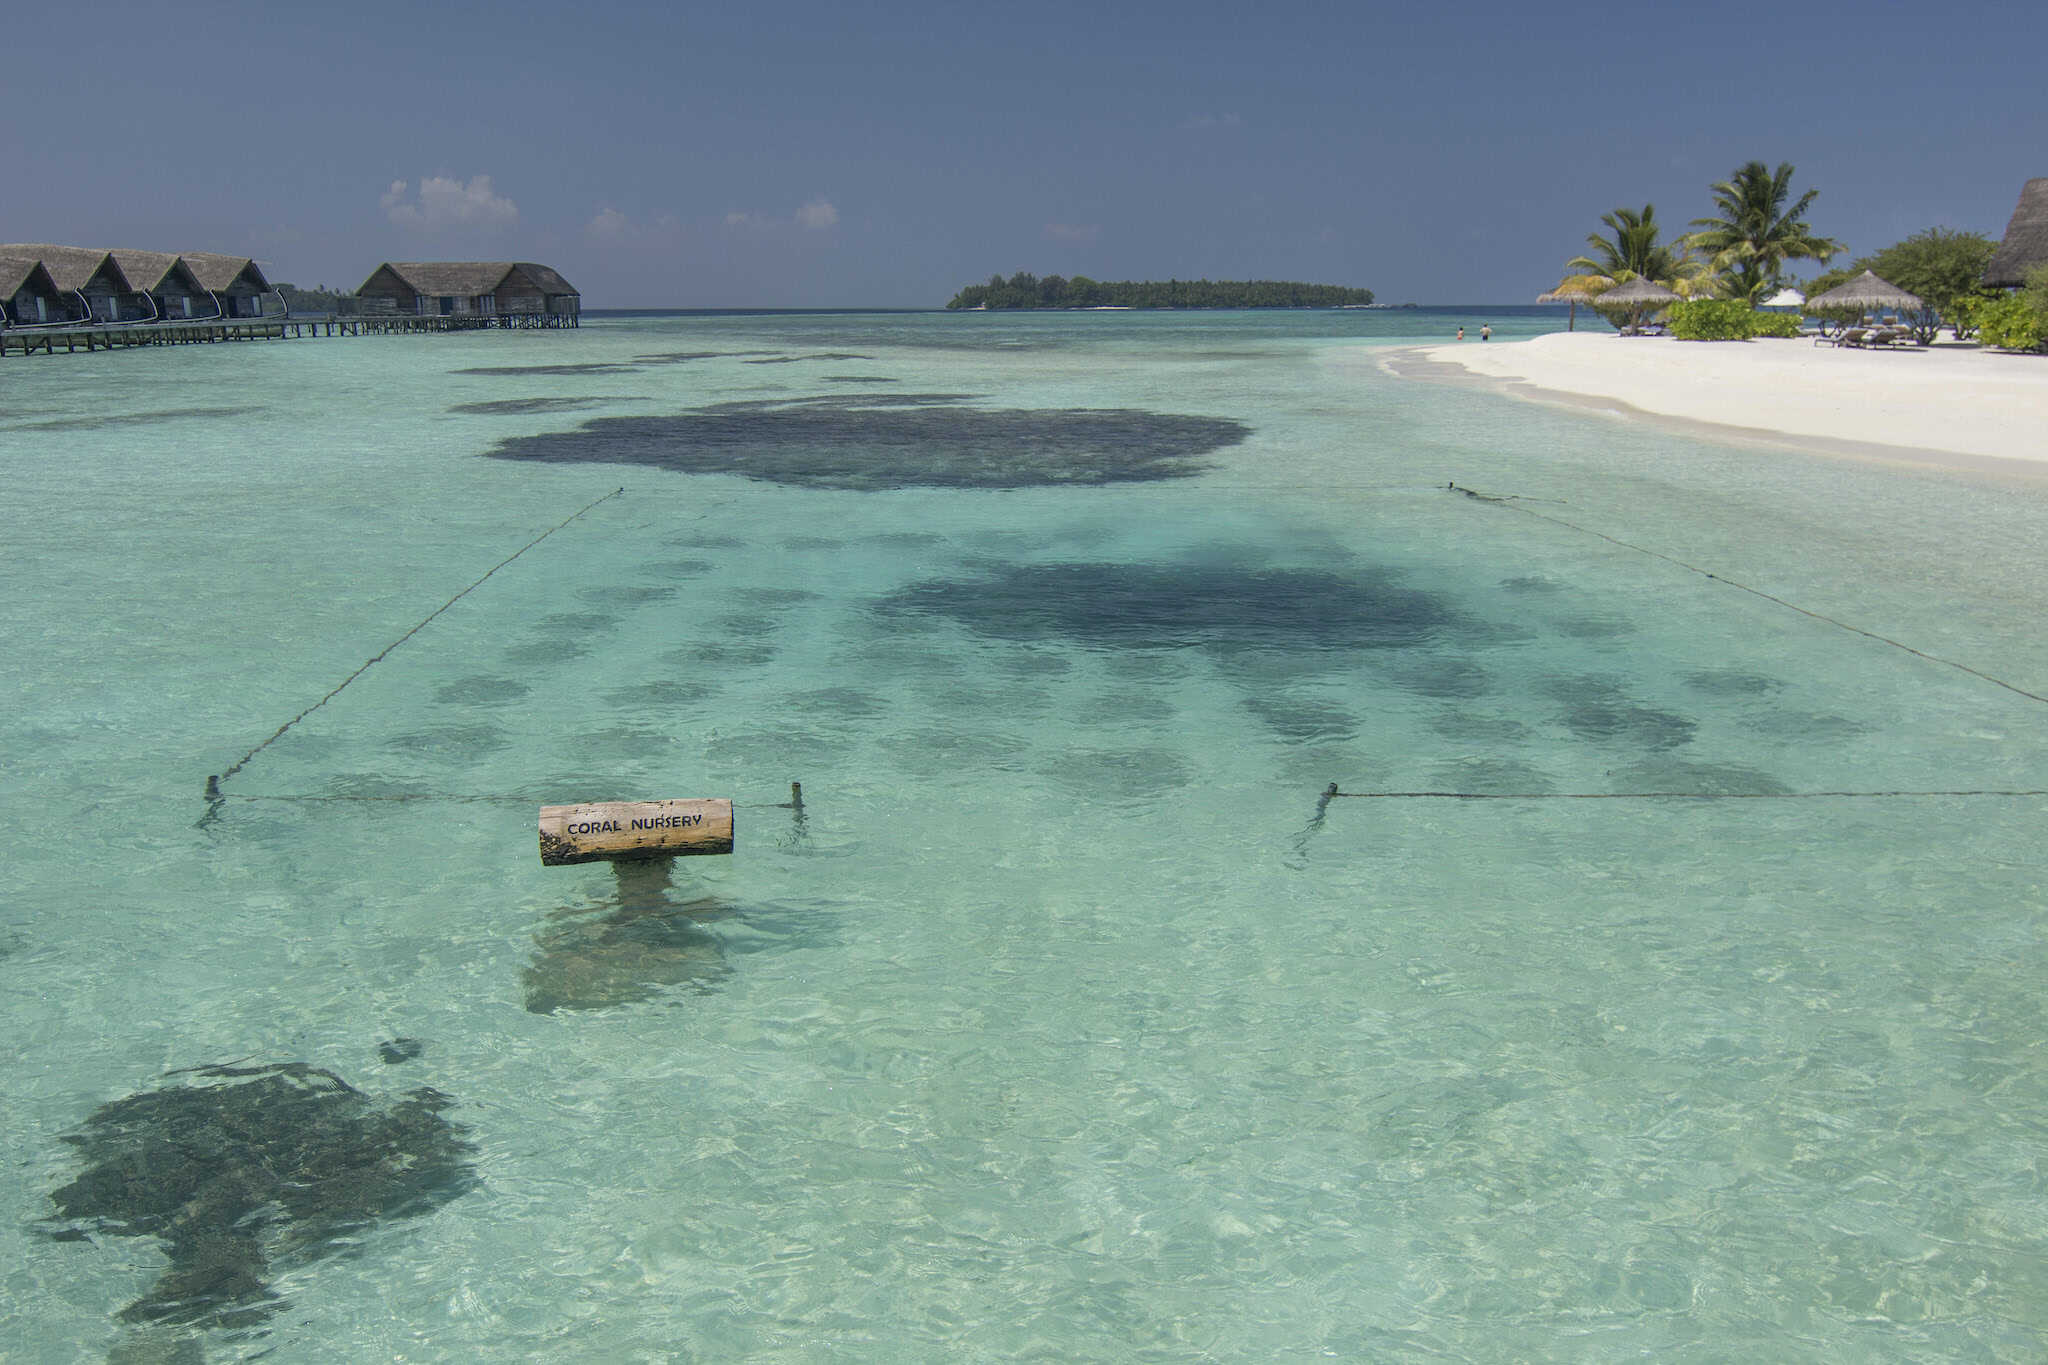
[(1955, 404)]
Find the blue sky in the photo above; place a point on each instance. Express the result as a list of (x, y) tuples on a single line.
[(832, 153)]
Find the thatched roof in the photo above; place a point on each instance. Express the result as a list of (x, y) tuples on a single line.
[(70, 267), (24, 272), (2026, 239), (549, 281), (450, 277), (152, 272), (1867, 292), (218, 272), (1637, 290), (469, 278), (1577, 289)]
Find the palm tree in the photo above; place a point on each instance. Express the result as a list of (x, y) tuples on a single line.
[(1756, 234), (1632, 249)]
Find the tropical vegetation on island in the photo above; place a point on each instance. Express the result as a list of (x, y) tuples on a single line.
[(1025, 290), (1758, 232), (318, 300), (1734, 261), (1944, 267), (1737, 256), (2018, 321), (1632, 249)]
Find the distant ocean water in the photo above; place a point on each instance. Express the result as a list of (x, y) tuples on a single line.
[(1665, 983)]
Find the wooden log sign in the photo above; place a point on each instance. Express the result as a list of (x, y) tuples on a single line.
[(616, 830)]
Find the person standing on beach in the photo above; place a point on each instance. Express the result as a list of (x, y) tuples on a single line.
[(1461, 334), (1486, 331)]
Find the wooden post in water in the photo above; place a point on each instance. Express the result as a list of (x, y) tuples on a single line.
[(623, 831)]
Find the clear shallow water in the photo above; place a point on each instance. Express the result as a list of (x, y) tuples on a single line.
[(1059, 1028)]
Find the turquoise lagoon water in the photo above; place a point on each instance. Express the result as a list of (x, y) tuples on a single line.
[(1067, 1021)]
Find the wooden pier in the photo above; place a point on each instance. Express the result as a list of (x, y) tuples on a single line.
[(107, 336)]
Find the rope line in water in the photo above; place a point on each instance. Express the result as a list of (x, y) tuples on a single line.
[(1510, 500), (452, 799), (1332, 793), (213, 791), (1329, 796)]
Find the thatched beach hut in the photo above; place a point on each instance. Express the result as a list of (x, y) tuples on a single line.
[(1636, 300), (2026, 239), (1575, 290), (1867, 293)]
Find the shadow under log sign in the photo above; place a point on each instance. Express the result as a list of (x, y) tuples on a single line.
[(623, 831)]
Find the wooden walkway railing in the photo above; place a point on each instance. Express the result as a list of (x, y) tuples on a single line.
[(111, 336)]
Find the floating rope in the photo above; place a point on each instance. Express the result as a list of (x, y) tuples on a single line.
[(213, 791), (450, 798), (1510, 500), (216, 801), (1333, 794)]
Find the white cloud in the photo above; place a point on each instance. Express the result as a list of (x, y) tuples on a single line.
[(444, 202), (609, 227), (1072, 232), (815, 216)]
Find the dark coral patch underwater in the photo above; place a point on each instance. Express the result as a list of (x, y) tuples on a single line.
[(1209, 604), (242, 1166), (127, 419), (585, 367), (504, 407), (876, 442)]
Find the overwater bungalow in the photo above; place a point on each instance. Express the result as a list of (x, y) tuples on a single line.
[(2026, 239), (29, 297), (503, 289), (164, 288), (89, 284), (87, 274), (235, 281)]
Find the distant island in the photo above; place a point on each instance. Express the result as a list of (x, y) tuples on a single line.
[(1025, 290)]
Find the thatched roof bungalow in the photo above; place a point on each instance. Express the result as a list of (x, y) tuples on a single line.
[(128, 285), (2026, 239), (28, 296), (164, 287), (235, 280), (459, 288), (89, 275)]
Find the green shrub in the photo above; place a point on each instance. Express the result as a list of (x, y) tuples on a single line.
[(2010, 324), (1710, 320), (2035, 290), (1728, 320), (1962, 314)]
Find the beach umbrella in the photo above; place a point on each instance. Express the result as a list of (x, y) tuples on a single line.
[(1785, 298), (1865, 294), (1575, 290), (1640, 296)]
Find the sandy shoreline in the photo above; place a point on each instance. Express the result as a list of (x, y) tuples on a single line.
[(1941, 405)]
